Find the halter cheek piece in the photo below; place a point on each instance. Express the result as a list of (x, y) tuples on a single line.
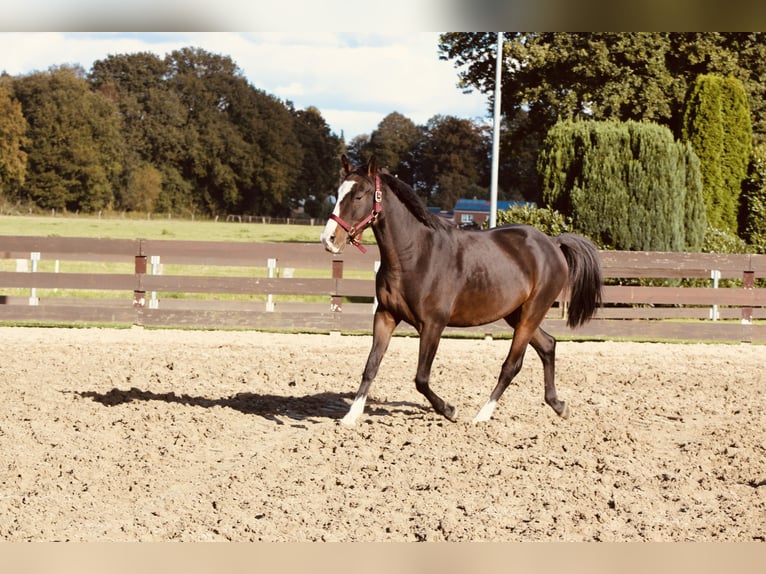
[(355, 231)]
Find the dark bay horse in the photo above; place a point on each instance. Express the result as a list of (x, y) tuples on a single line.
[(433, 275)]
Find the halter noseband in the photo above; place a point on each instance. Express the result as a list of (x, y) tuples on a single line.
[(355, 231)]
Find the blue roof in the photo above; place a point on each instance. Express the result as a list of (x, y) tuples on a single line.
[(483, 204)]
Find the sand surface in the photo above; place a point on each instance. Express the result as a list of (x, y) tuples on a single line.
[(141, 435)]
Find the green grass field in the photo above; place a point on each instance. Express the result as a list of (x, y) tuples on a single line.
[(157, 228)]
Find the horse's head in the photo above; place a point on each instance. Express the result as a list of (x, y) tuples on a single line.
[(357, 206)]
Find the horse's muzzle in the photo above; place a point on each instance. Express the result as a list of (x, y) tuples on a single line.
[(332, 248), (330, 240)]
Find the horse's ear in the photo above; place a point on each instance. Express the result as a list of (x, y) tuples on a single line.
[(345, 165), (372, 166)]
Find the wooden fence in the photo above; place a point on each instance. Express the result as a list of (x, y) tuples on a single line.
[(273, 296)]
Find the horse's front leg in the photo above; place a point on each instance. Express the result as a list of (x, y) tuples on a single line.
[(382, 328), (430, 335)]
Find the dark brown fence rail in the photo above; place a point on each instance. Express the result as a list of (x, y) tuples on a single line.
[(139, 295)]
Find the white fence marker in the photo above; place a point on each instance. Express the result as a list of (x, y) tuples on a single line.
[(35, 257), (272, 265), (715, 275), (154, 303)]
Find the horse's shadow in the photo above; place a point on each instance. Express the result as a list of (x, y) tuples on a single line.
[(308, 408)]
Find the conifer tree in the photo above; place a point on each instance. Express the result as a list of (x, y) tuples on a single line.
[(626, 185), (717, 124), (695, 220), (738, 139), (752, 223)]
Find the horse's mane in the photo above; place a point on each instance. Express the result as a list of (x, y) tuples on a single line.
[(413, 203)]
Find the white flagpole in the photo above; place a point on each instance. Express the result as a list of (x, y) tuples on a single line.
[(496, 134)]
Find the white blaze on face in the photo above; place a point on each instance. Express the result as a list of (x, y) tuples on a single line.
[(332, 227)]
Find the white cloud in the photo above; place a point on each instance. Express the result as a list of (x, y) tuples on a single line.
[(292, 90), (358, 122), (353, 79)]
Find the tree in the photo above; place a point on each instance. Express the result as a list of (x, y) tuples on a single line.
[(215, 159), (608, 75), (570, 75), (695, 218), (393, 143), (452, 161), (358, 149), (717, 124), (13, 158), (318, 176), (277, 156), (738, 145), (74, 141), (739, 55), (221, 144), (752, 217), (136, 83), (627, 185), (239, 152), (519, 147), (143, 189), (599, 75), (155, 123)]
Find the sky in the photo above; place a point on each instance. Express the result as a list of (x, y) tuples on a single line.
[(354, 79)]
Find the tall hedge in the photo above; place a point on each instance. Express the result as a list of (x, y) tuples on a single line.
[(717, 123), (627, 185), (752, 224)]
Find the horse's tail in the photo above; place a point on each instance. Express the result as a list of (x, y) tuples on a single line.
[(585, 280)]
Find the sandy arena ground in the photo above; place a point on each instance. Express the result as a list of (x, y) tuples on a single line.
[(140, 435)]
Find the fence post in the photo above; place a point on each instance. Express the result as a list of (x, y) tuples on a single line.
[(139, 295), (715, 275), (748, 282), (271, 263), (336, 302), (35, 257), (153, 301)]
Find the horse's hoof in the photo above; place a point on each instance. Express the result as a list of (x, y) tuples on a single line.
[(450, 413), (565, 412), (347, 422)]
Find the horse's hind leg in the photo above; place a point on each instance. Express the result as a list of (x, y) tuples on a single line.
[(511, 367), (545, 345), (430, 336), (382, 328)]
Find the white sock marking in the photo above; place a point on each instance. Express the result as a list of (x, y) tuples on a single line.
[(485, 413), (353, 414)]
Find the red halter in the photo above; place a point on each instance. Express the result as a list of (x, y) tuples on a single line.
[(355, 231)]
